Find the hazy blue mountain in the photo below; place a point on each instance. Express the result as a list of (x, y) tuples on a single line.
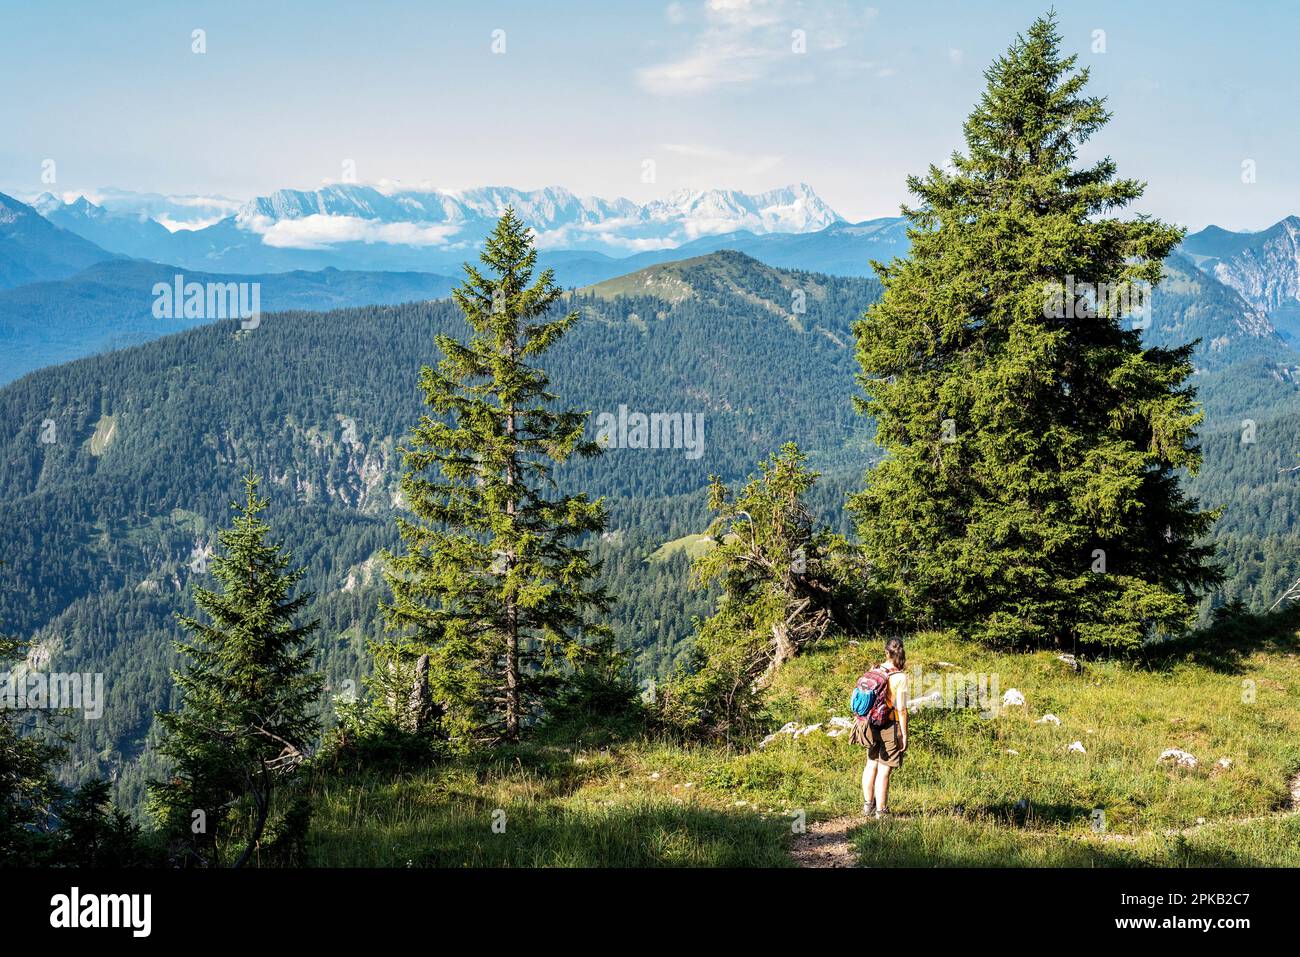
[(33, 249), (110, 306), (841, 249)]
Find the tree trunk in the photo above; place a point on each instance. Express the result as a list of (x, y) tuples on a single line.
[(419, 705), (512, 611), (263, 801)]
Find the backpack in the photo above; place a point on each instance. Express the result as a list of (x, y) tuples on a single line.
[(870, 698)]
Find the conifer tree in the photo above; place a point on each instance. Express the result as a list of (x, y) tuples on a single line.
[(784, 584), (1030, 493), (491, 584), (248, 692)]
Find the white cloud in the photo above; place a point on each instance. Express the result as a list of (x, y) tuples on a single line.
[(744, 42), (319, 231), (178, 225)]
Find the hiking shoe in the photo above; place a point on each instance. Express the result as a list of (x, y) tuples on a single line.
[(881, 813), (868, 808)]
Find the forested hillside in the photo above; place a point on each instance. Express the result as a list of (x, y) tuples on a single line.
[(112, 508)]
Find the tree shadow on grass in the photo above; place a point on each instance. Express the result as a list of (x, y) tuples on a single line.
[(469, 832), (958, 842), (1234, 635)]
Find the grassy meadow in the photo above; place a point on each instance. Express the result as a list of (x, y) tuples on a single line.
[(1000, 790)]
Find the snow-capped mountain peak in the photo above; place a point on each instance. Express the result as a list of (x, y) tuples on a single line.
[(560, 217)]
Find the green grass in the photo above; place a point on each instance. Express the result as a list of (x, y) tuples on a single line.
[(693, 545), (961, 798)]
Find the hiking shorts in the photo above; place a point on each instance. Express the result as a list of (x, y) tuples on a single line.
[(883, 745)]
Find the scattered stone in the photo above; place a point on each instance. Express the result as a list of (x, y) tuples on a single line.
[(1048, 719), (845, 723), (1013, 752), (1077, 746), (1071, 661), (1200, 820), (944, 664), (1223, 763), (790, 727), (1012, 697), (1180, 757), (655, 776)]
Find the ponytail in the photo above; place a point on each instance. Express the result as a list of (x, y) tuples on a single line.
[(896, 653)]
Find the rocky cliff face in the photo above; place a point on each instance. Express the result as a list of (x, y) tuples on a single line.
[(1263, 267)]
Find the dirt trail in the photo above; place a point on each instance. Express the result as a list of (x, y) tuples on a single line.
[(827, 844)]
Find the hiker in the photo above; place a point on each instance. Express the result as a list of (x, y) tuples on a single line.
[(879, 706)]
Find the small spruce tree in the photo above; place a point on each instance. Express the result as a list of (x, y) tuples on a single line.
[(248, 694)]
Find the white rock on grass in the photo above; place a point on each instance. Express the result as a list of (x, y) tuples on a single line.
[(1013, 752), (1180, 757), (1012, 697), (1048, 719), (1077, 746), (933, 698), (838, 722), (1224, 763)]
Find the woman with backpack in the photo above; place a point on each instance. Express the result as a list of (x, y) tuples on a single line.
[(880, 706)]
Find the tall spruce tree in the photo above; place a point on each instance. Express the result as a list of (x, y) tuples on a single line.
[(491, 585), (1030, 493), (248, 694)]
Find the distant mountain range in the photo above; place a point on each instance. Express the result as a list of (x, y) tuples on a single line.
[(354, 226), (400, 244)]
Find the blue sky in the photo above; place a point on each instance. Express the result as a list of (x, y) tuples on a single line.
[(585, 92)]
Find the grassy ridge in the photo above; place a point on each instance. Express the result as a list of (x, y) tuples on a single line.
[(961, 799)]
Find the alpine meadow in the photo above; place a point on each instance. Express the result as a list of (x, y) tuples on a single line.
[(703, 527)]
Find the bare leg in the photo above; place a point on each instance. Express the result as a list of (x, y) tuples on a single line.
[(869, 782), (882, 788)]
